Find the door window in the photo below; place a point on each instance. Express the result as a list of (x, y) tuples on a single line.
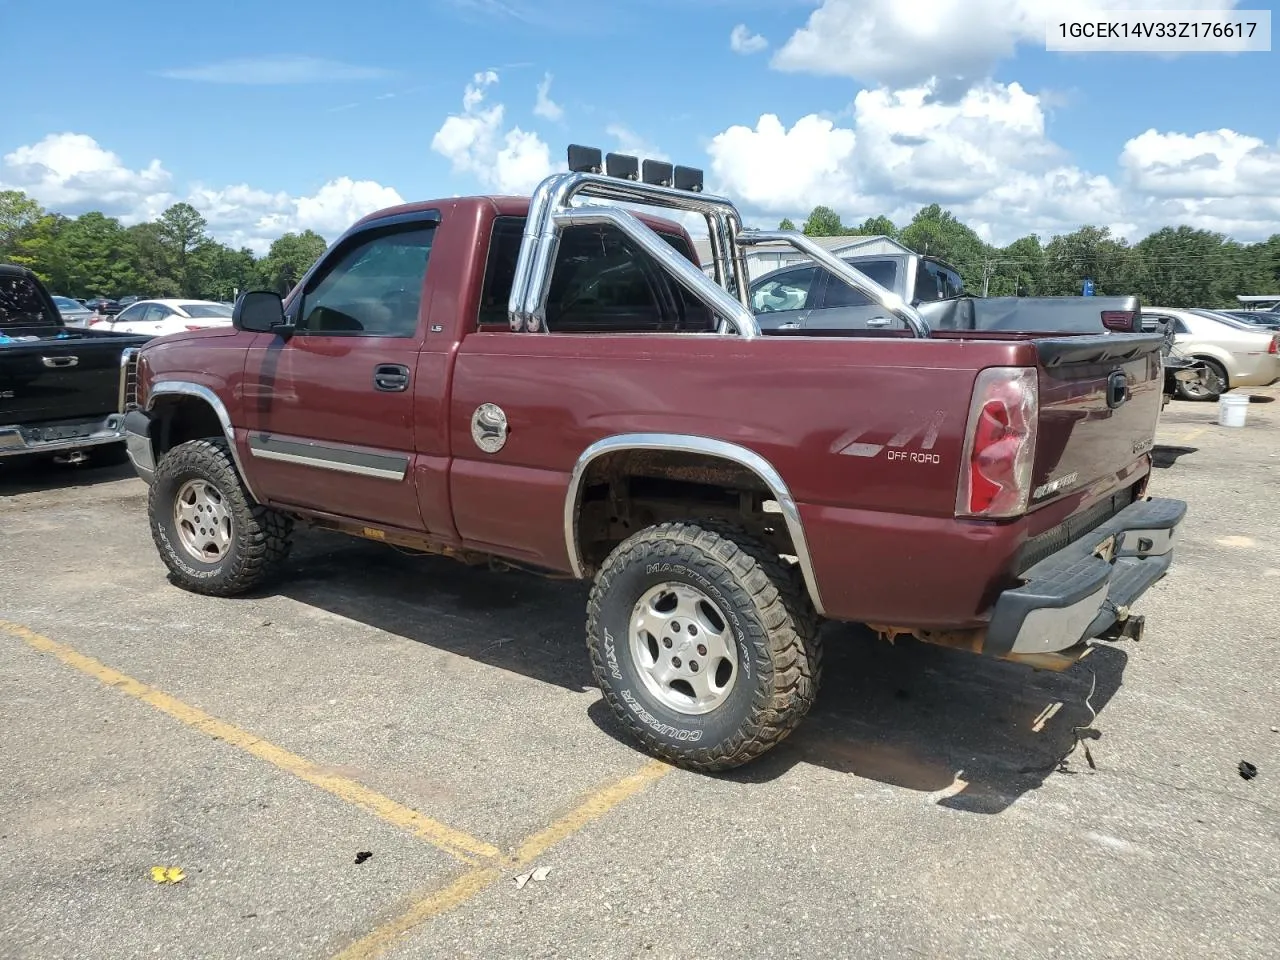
[(373, 289), (937, 282), (155, 312), (788, 291), (840, 294), (133, 314)]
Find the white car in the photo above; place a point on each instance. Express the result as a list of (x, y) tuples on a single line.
[(160, 317), (1235, 355)]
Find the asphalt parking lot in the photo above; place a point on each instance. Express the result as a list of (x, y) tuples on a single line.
[(444, 720)]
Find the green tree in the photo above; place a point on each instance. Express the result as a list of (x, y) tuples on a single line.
[(786, 224), (288, 259), (937, 232), (150, 259), (877, 227), (824, 222), (225, 272), (18, 214), (1018, 269), (181, 232), (96, 252), (42, 248), (1088, 253)]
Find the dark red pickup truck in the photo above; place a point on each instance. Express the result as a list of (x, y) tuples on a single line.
[(558, 385)]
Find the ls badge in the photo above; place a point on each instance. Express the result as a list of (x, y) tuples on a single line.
[(489, 427)]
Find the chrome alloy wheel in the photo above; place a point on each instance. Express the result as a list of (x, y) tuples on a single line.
[(202, 518), (682, 648)]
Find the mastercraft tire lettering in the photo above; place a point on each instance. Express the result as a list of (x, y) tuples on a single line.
[(704, 644)]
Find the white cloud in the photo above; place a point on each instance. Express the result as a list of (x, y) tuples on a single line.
[(475, 142), (72, 173), (907, 42), (276, 70), (742, 40), (773, 169), (986, 157), (545, 106)]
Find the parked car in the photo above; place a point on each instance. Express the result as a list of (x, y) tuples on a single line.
[(74, 313), (574, 395), (160, 317), (130, 299), (103, 305), (1236, 355), (1254, 318), (59, 387), (806, 297)]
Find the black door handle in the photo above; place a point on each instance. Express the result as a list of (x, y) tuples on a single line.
[(391, 377)]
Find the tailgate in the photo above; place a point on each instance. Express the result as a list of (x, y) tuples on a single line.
[(59, 379), (1100, 399)]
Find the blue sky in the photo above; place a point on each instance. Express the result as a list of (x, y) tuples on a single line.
[(282, 98)]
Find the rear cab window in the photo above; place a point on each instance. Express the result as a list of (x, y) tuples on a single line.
[(602, 283), (22, 305)]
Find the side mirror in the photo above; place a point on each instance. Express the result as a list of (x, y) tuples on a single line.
[(259, 311)]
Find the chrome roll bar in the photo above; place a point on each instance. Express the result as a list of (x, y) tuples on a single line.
[(727, 295)]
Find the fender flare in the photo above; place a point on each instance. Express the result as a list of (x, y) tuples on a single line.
[(185, 388), (684, 443)]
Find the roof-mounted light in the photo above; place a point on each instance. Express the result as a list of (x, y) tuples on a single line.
[(585, 159), (657, 172), (622, 166)]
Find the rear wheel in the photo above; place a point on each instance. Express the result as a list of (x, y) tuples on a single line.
[(704, 644), (212, 536), (1216, 384)]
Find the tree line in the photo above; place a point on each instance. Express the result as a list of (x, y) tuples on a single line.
[(172, 256), (1173, 267)]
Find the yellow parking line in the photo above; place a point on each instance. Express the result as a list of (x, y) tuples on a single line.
[(464, 847), (476, 881)]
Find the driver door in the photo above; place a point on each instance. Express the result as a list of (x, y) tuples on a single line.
[(330, 409)]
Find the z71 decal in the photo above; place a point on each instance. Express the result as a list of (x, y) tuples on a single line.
[(927, 427)]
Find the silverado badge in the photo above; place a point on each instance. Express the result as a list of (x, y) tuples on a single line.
[(489, 427)]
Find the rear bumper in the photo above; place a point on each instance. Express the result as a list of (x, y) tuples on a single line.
[(1077, 593), (62, 436), (137, 437)]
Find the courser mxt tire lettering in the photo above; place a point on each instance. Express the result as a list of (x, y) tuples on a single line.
[(260, 537), (769, 615)]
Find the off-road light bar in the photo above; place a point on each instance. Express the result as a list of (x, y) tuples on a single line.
[(624, 167)]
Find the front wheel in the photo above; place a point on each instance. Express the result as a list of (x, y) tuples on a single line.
[(211, 535), (704, 644)]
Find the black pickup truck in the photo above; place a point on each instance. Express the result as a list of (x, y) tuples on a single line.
[(59, 386)]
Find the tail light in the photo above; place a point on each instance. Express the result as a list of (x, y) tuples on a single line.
[(1121, 321), (1000, 442), (194, 327), (1275, 345)]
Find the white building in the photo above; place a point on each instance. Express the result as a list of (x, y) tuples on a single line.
[(761, 260)]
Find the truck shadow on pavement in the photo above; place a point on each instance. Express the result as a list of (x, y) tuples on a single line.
[(35, 476), (518, 621), (1163, 457), (975, 734)]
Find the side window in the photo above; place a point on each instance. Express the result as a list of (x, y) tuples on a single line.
[(840, 294), (1178, 325), (788, 291), (132, 314), (500, 271), (374, 288), (603, 283), (155, 313), (936, 282)]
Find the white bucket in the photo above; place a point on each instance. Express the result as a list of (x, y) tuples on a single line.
[(1232, 409)]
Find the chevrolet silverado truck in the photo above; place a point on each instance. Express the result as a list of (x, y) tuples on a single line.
[(555, 383), (59, 385)]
